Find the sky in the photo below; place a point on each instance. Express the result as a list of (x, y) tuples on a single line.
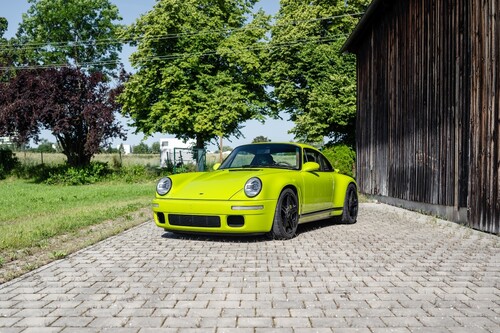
[(130, 10)]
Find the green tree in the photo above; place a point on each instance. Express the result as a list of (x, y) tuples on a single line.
[(7, 52), (312, 80), (108, 149), (199, 69), (4, 24), (224, 149), (81, 33), (141, 148), (155, 148), (46, 147), (77, 41), (260, 138), (3, 44)]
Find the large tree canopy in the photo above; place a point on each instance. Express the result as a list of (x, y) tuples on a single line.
[(63, 53), (79, 33), (312, 80), (199, 69), (6, 52), (4, 24), (78, 109)]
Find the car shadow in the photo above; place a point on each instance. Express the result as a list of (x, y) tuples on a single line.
[(315, 225), (250, 238), (223, 238)]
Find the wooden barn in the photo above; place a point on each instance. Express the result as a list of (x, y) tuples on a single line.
[(428, 107)]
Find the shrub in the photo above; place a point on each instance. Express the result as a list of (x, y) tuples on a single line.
[(94, 172), (117, 161), (137, 173), (342, 157), (63, 174), (183, 168), (38, 172), (8, 161)]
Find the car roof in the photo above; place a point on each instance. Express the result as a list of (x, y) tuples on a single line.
[(301, 145)]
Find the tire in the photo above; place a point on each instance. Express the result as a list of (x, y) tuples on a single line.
[(350, 211), (286, 216)]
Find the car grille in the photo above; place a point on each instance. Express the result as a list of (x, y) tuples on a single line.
[(194, 221)]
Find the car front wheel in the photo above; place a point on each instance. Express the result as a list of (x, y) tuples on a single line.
[(286, 217), (350, 211)]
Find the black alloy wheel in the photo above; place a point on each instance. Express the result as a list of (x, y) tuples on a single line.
[(286, 216), (350, 211)]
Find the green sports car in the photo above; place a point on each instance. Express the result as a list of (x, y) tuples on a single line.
[(259, 188)]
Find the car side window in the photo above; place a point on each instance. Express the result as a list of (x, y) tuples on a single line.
[(324, 163), (314, 156), (309, 156)]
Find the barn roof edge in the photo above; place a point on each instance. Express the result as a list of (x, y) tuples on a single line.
[(375, 7)]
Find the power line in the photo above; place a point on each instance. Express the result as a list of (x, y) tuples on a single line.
[(69, 44), (174, 56)]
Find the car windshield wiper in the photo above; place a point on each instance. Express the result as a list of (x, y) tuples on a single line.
[(275, 166), (288, 167), (240, 167)]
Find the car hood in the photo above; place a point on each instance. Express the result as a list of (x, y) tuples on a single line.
[(215, 185)]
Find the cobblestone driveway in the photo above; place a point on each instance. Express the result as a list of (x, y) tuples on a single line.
[(393, 271)]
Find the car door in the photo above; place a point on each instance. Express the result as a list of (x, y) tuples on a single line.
[(318, 185)]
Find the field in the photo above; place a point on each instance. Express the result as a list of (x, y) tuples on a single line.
[(153, 160), (40, 222), (57, 158)]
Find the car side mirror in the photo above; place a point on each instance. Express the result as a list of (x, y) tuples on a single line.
[(310, 166), (216, 166)]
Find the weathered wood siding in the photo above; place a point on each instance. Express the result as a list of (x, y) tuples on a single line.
[(485, 116), (412, 105), (427, 84)]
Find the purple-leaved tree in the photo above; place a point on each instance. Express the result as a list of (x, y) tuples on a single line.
[(78, 108)]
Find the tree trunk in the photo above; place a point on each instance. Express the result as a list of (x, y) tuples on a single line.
[(75, 152), (200, 151), (200, 142)]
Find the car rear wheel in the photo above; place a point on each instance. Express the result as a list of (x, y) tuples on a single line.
[(350, 211), (286, 217)]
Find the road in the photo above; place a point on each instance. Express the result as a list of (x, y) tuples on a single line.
[(393, 271)]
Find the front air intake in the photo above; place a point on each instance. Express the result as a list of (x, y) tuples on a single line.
[(194, 221), (235, 221)]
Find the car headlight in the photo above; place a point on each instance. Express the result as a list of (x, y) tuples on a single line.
[(164, 185), (253, 187)]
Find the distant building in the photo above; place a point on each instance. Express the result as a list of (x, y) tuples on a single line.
[(6, 141), (175, 152)]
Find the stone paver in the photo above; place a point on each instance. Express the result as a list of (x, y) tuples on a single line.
[(393, 271)]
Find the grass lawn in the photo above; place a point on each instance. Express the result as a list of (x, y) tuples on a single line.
[(47, 222)]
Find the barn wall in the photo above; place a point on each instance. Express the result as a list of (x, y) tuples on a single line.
[(428, 124), (414, 106), (485, 115)]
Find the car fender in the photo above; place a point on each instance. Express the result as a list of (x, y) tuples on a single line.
[(273, 185), (341, 182), (293, 180)]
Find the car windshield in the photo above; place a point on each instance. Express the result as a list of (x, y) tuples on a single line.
[(272, 155)]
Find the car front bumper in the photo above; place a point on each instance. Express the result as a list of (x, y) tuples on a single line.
[(214, 216)]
